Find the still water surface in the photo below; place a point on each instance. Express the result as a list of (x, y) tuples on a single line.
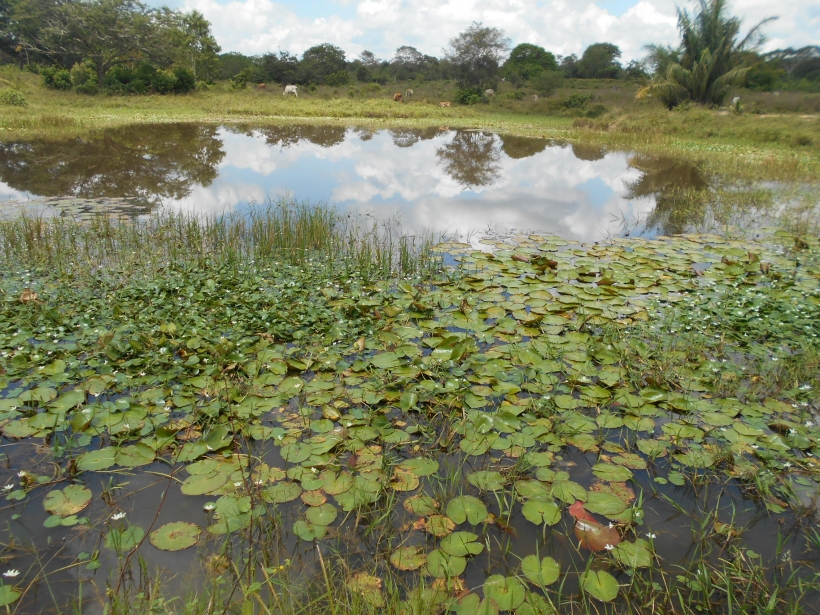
[(437, 179)]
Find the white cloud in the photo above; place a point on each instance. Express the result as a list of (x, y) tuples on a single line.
[(258, 26)]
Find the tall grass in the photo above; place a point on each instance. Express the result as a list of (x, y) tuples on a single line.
[(285, 231)]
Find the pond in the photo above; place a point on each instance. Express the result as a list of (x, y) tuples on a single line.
[(546, 424), (441, 180)]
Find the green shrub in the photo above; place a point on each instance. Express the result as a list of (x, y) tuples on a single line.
[(514, 95), (56, 78), (341, 77), (84, 79), (546, 82), (186, 80), (596, 110), (469, 96), (577, 101), (129, 80), (12, 98), (164, 81), (240, 79)]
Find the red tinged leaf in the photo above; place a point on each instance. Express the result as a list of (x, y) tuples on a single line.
[(590, 533)]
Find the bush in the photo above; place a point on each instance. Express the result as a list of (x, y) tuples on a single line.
[(341, 77), (164, 81), (186, 80), (84, 79), (577, 101), (240, 79), (596, 110), (56, 78), (546, 82), (12, 98), (126, 80), (514, 95), (469, 96)]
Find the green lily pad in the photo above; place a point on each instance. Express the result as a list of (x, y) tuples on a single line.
[(439, 525), (611, 472), (461, 544), (420, 466), (605, 504), (121, 540), (321, 515), (369, 587), (487, 480), (8, 595), (633, 554), (506, 592), (134, 456), (600, 585), (204, 484), (466, 508), (281, 493), (309, 532), (541, 512), (421, 505), (541, 573), (442, 565), (94, 461), (408, 558), (175, 536), (69, 501)]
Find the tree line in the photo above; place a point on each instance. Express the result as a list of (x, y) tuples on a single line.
[(124, 46)]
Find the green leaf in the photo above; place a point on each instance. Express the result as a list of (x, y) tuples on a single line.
[(175, 536), (94, 461), (541, 573), (611, 472), (202, 484), (321, 515), (466, 508), (125, 539), (604, 503), (420, 466), (308, 532), (69, 501), (461, 544), (600, 585), (137, 455), (540, 512), (408, 558), (633, 554), (443, 565), (487, 480), (281, 493), (8, 595), (506, 592)]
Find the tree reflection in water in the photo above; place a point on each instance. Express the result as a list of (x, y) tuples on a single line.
[(407, 137), (588, 151), (471, 158), (141, 163), (522, 147), (293, 134), (680, 191)]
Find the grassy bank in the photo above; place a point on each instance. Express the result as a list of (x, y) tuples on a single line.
[(267, 416), (769, 144)]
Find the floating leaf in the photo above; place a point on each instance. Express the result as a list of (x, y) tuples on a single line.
[(8, 595), (633, 554), (204, 484), (461, 544), (121, 540), (421, 505), (69, 501), (506, 592), (443, 565), (133, 456), (611, 472), (369, 587), (308, 531), (175, 536), (321, 515), (541, 573), (600, 585), (94, 461), (487, 480), (420, 466), (466, 508), (408, 558), (281, 493), (541, 512), (439, 525)]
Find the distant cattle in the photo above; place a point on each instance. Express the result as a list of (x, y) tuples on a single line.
[(535, 97), (290, 89), (489, 93), (444, 104), (408, 93), (397, 97), (261, 86)]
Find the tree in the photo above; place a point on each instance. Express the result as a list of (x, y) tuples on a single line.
[(105, 32), (476, 54), (406, 62), (527, 61), (194, 45), (321, 61), (600, 62), (709, 57)]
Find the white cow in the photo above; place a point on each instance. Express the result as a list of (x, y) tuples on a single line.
[(489, 93), (290, 89)]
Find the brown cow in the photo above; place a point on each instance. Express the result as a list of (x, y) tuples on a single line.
[(397, 97), (261, 86), (444, 104)]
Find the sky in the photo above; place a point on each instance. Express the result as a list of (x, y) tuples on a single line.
[(561, 26)]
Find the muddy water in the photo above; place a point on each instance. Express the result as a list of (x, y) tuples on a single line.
[(437, 179)]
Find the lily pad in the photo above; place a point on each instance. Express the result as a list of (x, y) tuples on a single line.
[(439, 525), (421, 505), (308, 531), (461, 544), (121, 540), (506, 592), (8, 595), (408, 558), (175, 536), (420, 466), (94, 461), (466, 508), (369, 587), (540, 572), (487, 480), (69, 501), (322, 515), (281, 493), (600, 585), (443, 565), (541, 512)]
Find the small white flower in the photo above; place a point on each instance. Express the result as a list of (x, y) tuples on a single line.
[(787, 465), (611, 525), (208, 506), (792, 431), (808, 424), (651, 536), (238, 483), (118, 516), (806, 387), (608, 547), (22, 473), (8, 487), (11, 573)]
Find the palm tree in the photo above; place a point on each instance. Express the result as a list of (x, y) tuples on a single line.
[(708, 61)]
